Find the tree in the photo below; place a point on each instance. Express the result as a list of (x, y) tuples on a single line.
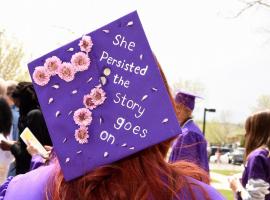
[(253, 3), (220, 133), (11, 54), (263, 102), (189, 86)]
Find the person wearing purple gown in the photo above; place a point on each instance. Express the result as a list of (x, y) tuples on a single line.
[(191, 144), (255, 181), (111, 160), (43, 176)]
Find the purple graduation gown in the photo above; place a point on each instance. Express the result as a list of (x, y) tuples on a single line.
[(32, 186), (190, 146), (257, 167)]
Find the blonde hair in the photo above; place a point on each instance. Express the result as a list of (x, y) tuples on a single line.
[(10, 87), (3, 87)]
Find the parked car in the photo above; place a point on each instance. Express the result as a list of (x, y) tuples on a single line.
[(237, 156)]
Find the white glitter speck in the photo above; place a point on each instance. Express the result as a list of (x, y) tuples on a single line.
[(165, 120), (106, 154), (50, 100), (130, 23), (56, 86), (57, 114)]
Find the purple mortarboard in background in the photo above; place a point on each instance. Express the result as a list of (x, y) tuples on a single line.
[(103, 97), (187, 99)]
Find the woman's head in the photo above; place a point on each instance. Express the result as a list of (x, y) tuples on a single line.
[(257, 131), (142, 175), (25, 97), (5, 117), (11, 86)]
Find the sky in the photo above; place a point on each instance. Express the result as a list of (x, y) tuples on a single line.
[(195, 40)]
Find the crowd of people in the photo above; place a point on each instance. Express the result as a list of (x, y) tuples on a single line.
[(19, 108), (87, 156)]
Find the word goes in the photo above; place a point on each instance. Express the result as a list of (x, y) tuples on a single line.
[(126, 125)]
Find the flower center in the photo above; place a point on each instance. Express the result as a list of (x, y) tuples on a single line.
[(81, 134), (82, 117), (53, 66), (98, 96), (89, 102), (85, 44), (66, 72), (81, 61), (41, 76)]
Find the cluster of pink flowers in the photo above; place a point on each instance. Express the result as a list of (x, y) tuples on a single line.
[(83, 116), (65, 70), (96, 97)]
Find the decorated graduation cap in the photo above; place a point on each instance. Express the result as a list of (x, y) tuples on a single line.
[(103, 97), (188, 99)]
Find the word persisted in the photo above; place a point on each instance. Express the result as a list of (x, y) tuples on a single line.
[(122, 64)]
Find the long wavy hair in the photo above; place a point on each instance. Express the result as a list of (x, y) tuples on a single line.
[(144, 175), (257, 131)]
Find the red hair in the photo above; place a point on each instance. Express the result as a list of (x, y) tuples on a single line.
[(141, 176)]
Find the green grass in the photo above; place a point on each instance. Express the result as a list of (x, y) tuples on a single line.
[(226, 172), (214, 181), (228, 194)]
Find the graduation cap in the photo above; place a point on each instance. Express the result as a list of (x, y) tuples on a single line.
[(103, 97), (188, 99)]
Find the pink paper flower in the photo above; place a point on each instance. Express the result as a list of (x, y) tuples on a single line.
[(86, 43), (98, 95), (80, 61), (52, 64), (66, 72), (41, 76), (81, 135), (88, 102), (82, 117)]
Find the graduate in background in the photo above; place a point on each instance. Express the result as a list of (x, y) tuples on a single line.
[(255, 182), (191, 144)]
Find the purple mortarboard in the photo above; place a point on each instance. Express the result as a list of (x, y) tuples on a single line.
[(187, 99), (103, 97)]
